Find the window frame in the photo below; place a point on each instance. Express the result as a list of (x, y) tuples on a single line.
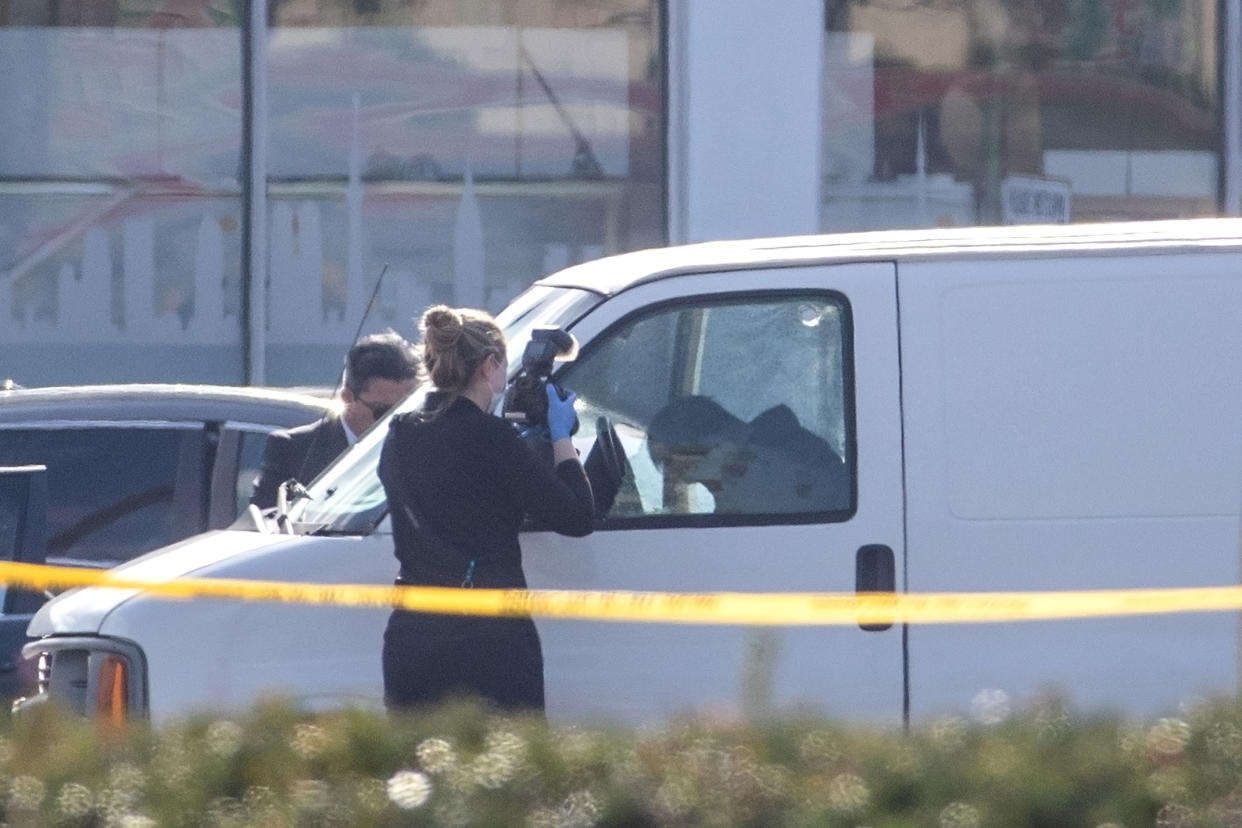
[(848, 401), (225, 481)]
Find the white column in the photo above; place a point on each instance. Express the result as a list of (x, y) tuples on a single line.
[(744, 118), (1231, 111)]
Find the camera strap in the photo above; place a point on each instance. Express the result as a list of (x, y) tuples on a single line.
[(434, 550)]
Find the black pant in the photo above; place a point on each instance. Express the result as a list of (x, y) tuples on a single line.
[(430, 658)]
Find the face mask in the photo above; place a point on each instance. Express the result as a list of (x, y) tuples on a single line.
[(493, 406), (498, 396)]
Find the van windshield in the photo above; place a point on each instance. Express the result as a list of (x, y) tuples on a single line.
[(347, 497)]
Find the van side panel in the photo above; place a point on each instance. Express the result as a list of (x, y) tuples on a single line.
[(1073, 423)]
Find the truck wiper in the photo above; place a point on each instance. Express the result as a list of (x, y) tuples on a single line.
[(288, 493), (327, 530), (364, 523)]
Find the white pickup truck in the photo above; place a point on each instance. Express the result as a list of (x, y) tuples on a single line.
[(1028, 408)]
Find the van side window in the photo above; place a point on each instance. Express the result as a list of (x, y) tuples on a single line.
[(734, 408)]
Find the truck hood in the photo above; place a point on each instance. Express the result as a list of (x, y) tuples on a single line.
[(83, 610)]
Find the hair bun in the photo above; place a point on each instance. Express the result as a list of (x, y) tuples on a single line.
[(441, 326), (455, 342)]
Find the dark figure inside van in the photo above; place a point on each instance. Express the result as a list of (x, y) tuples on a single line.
[(770, 465)]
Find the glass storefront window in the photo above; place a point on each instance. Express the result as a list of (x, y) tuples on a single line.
[(985, 112), (461, 149), (120, 204), (464, 149)]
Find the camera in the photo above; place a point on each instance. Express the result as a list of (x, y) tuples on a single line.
[(526, 402)]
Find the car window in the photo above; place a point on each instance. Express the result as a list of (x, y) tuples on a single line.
[(22, 522), (12, 508), (730, 409), (111, 489), (13, 495)]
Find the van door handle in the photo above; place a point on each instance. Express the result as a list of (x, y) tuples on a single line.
[(875, 570)]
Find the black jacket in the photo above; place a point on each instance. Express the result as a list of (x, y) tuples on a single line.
[(472, 480), (300, 453)]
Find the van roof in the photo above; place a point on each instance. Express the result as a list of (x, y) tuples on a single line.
[(616, 273)]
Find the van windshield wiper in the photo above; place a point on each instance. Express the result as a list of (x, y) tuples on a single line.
[(358, 523), (288, 493)]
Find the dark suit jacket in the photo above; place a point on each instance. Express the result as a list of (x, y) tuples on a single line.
[(473, 480), (300, 453)]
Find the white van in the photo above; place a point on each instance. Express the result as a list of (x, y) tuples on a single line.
[(1029, 408)]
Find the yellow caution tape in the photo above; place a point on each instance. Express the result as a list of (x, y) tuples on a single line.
[(783, 608)]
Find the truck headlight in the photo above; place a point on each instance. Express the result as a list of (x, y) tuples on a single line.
[(111, 690), (101, 678)]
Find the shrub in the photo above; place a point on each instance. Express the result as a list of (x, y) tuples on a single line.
[(464, 766)]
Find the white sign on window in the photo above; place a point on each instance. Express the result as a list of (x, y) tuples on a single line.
[(1030, 200)]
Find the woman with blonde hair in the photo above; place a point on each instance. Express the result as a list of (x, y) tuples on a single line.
[(460, 482)]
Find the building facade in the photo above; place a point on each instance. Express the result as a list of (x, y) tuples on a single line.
[(230, 191)]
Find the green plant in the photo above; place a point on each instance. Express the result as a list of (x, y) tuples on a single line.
[(462, 765)]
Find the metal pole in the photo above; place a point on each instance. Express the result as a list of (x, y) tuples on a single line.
[(1231, 109), (254, 191), (677, 126)]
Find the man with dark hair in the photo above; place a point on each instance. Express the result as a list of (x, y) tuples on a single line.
[(770, 465), (380, 370), (684, 439)]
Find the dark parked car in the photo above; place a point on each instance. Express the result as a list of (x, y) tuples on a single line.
[(131, 468)]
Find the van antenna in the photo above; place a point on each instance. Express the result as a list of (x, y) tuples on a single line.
[(299, 491), (379, 280)]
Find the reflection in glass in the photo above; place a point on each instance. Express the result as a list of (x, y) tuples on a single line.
[(119, 200), (461, 150), (981, 112), (466, 149), (708, 428)]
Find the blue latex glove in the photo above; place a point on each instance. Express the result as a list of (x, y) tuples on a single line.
[(561, 414), (534, 432)]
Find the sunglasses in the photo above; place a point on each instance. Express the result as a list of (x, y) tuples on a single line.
[(377, 409)]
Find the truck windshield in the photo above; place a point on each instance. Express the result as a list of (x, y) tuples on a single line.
[(348, 498)]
